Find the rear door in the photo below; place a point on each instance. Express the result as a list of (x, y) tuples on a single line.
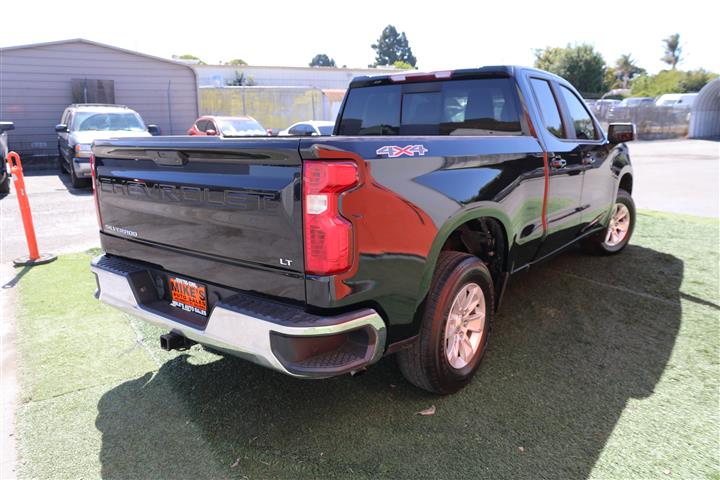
[(591, 150), (236, 201), (564, 215)]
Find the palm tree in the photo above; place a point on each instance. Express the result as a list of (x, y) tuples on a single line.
[(673, 50), (626, 68)]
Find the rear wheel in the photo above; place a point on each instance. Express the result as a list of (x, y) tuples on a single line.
[(455, 326), (620, 228)]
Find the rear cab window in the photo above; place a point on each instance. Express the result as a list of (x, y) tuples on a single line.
[(487, 106)]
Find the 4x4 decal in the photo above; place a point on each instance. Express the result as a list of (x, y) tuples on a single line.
[(393, 151)]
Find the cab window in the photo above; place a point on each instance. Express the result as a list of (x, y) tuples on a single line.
[(548, 107), (581, 120), (300, 129), (201, 125)]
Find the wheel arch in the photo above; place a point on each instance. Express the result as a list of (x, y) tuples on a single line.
[(455, 224), (626, 182)]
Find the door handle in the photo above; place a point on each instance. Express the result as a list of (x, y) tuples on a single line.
[(558, 162)]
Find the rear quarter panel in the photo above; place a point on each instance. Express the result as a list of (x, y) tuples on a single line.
[(407, 207)]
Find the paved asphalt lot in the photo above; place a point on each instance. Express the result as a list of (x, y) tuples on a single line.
[(64, 217), (681, 176)]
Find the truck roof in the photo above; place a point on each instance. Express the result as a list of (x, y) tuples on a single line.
[(414, 76)]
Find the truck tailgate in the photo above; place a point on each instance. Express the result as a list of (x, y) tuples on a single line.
[(230, 201)]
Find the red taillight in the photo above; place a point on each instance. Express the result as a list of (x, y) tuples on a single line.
[(328, 235), (95, 195)]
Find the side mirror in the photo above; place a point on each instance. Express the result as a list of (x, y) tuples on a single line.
[(210, 132), (153, 130), (61, 128), (6, 126), (621, 133)]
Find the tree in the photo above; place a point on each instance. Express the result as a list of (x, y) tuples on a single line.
[(392, 47), (671, 81), (626, 69), (402, 65), (673, 50), (580, 65), (695, 80), (241, 80), (187, 56), (548, 58), (322, 60), (237, 61)]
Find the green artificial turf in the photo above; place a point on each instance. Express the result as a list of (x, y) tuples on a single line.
[(599, 367)]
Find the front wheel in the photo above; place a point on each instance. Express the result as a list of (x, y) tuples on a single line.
[(75, 181), (455, 326), (620, 228), (61, 162)]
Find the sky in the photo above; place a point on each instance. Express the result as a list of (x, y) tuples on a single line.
[(442, 34)]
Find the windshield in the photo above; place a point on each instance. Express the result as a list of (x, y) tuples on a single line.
[(95, 121), (241, 128), (326, 130)]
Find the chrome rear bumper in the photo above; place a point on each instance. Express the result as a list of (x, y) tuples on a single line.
[(284, 338)]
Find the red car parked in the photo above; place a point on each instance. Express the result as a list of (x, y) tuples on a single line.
[(227, 127)]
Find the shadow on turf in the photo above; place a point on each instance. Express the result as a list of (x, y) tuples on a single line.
[(576, 339)]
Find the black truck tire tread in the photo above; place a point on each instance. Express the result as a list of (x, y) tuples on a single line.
[(417, 362)]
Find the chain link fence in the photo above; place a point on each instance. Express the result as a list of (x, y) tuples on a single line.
[(652, 122), (273, 107)]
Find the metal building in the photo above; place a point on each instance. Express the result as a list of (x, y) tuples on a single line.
[(705, 116), (38, 81), (262, 76)]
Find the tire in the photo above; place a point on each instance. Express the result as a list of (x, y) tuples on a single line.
[(61, 162), (604, 243), (75, 181), (426, 363), (5, 185)]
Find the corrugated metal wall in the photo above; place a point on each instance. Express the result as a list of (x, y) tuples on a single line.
[(705, 118), (35, 88), (273, 107)]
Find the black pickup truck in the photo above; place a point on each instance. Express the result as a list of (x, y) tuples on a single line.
[(395, 235)]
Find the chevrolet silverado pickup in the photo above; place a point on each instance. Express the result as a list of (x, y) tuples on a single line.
[(396, 235)]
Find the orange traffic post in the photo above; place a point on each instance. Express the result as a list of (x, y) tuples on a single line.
[(34, 257)]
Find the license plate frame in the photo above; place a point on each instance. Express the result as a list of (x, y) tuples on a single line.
[(188, 295)]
